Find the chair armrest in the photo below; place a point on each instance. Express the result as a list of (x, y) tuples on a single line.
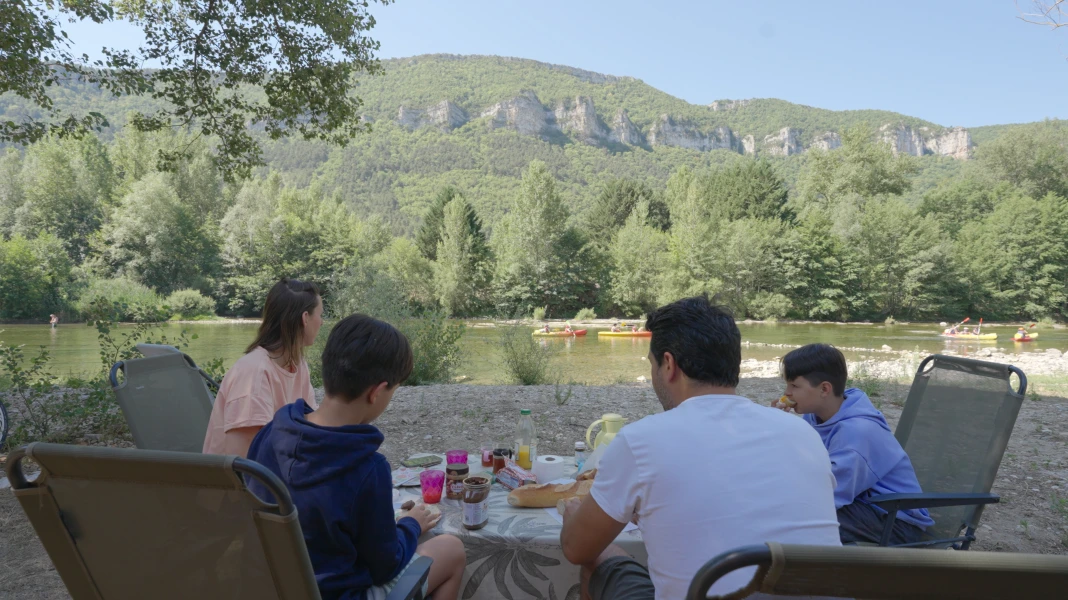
[(932, 500), (410, 583)]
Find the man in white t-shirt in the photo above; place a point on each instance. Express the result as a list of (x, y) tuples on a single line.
[(713, 472)]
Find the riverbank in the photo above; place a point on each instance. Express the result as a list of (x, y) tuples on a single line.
[(1032, 482)]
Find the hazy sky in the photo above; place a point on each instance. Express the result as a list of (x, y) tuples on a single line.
[(961, 62)]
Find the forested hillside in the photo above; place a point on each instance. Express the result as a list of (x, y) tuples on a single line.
[(506, 184)]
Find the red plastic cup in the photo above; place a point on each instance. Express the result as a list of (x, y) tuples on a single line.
[(432, 483)]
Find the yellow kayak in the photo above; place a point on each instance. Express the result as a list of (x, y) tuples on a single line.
[(624, 334), (971, 336)]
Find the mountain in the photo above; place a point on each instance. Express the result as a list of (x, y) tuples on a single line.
[(475, 122)]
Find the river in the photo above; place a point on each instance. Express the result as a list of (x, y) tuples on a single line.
[(590, 360)]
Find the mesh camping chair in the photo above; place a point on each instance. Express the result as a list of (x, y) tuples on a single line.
[(886, 573), (124, 524), (165, 397), (955, 427)]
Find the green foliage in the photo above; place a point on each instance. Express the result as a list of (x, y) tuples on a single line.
[(539, 313), (524, 358), (120, 300), (586, 314), (616, 202), (1032, 159), (861, 167), (745, 189), (287, 68), (637, 254), (462, 269), (190, 303), (34, 276)]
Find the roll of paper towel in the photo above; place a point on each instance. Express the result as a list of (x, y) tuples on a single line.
[(548, 468)]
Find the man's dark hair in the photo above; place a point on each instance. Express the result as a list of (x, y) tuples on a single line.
[(362, 352), (816, 363), (702, 337)]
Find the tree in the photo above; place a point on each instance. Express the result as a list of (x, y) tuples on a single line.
[(33, 274), (861, 167), (542, 261), (820, 272), (638, 252), (67, 186), (456, 269), (690, 267), (749, 263), (1032, 158), (616, 202), (283, 67), (11, 195), (429, 234), (156, 240), (748, 188)]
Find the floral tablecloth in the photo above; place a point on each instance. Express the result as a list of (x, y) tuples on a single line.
[(517, 555)]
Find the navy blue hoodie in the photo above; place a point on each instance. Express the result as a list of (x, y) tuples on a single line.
[(343, 492), (866, 457)]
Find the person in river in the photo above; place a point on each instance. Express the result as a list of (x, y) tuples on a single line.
[(866, 458), (615, 328), (53, 320), (567, 328), (272, 373), (546, 329)]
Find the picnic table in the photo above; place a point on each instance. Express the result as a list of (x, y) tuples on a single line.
[(517, 555)]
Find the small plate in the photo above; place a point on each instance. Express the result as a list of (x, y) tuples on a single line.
[(406, 474)]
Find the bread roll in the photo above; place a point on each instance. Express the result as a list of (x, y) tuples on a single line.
[(547, 495)]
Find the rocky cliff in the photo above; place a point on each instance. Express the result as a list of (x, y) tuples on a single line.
[(954, 142), (444, 114), (666, 132), (577, 118)]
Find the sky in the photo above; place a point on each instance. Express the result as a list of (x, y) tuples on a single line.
[(953, 62)]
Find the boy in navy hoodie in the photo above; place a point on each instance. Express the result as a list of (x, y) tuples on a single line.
[(341, 485), (865, 456)]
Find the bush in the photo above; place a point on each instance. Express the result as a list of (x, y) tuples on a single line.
[(120, 300), (435, 341), (767, 306), (190, 303), (525, 359), (586, 314), (539, 313)]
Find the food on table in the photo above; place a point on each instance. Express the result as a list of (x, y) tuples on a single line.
[(587, 475), (407, 507), (513, 476), (476, 502), (547, 495), (455, 473)]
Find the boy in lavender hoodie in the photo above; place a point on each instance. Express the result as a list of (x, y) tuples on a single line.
[(866, 458)]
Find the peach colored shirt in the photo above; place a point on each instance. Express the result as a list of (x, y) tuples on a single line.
[(252, 391)]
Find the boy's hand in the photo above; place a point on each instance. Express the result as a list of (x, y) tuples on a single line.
[(426, 521)]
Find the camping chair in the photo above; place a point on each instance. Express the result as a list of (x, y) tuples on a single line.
[(886, 573), (955, 427), (165, 397), (124, 524)]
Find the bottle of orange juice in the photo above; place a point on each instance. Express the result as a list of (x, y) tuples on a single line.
[(526, 440)]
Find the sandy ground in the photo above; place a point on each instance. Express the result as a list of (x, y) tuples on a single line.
[(1033, 480)]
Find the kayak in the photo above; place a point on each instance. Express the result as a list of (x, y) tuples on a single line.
[(1024, 338), (971, 336), (576, 333), (624, 334)]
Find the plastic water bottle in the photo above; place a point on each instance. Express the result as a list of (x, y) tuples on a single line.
[(580, 454), (526, 440)]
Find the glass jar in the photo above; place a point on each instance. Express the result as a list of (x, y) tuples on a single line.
[(476, 502), (455, 474), (580, 454)]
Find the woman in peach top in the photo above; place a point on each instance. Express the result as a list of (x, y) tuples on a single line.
[(272, 373)]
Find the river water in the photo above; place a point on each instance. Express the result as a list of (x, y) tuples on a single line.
[(587, 359)]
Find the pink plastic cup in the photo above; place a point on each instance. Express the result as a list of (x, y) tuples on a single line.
[(453, 457), (432, 483)]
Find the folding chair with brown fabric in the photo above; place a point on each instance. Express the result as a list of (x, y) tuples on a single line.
[(165, 397), (885, 573), (124, 524), (955, 428)]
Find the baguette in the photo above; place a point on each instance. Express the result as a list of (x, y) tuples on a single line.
[(547, 495), (583, 476)]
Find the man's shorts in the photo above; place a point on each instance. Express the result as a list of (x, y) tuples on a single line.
[(621, 578), (379, 592)]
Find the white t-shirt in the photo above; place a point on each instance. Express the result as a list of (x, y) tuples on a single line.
[(713, 474)]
